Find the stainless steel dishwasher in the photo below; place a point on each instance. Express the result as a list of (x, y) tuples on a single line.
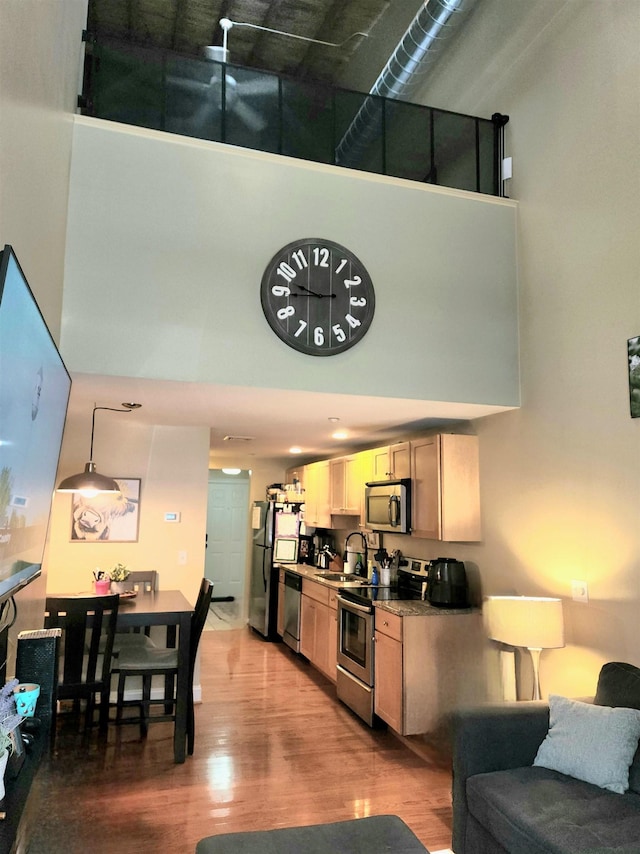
[(292, 600)]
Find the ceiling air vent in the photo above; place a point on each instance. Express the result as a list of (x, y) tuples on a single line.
[(238, 439)]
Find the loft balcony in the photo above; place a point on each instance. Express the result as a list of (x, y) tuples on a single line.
[(222, 102)]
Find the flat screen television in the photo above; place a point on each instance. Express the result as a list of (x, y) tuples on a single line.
[(34, 394)]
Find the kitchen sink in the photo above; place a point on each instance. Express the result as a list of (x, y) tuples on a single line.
[(338, 576)]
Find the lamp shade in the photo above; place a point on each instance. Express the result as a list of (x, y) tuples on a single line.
[(89, 482), (534, 622)]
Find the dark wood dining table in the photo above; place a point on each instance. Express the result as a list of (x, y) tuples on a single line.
[(168, 608)]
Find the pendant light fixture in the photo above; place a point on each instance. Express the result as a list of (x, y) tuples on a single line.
[(89, 483)]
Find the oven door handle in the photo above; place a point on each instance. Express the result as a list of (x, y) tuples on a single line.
[(347, 603)]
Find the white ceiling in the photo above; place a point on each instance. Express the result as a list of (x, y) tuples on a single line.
[(274, 419)]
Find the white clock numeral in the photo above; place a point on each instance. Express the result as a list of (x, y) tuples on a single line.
[(301, 328), (300, 258), (352, 321), (321, 256), (341, 265), (286, 271), (339, 332), (350, 283), (285, 312), (281, 291), (357, 301), (318, 336)]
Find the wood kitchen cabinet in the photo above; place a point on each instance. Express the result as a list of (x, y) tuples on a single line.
[(318, 628), (388, 670), (425, 666), (346, 485), (316, 495), (391, 462), (445, 499)]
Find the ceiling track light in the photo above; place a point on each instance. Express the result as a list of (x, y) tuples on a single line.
[(89, 483)]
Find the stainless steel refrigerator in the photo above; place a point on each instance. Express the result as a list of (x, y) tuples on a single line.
[(270, 522)]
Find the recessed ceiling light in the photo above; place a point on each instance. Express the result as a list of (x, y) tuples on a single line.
[(231, 471), (333, 419), (295, 450), (339, 434)]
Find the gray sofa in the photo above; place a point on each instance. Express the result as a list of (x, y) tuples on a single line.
[(503, 803)]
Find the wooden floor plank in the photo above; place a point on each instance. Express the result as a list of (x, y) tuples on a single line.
[(274, 748)]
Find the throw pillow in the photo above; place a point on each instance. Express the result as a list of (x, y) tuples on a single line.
[(591, 743)]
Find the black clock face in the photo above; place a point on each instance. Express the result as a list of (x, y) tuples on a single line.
[(317, 297)]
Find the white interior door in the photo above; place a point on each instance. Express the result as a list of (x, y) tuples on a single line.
[(227, 520)]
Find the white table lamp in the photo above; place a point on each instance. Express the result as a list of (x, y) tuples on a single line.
[(534, 622)]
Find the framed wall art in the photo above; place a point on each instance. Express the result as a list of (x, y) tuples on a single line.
[(108, 517), (633, 357)]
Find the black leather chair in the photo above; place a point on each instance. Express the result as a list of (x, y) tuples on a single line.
[(88, 625), (148, 662)]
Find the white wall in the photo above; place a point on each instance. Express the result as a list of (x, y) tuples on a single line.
[(178, 233), (40, 61), (561, 476)]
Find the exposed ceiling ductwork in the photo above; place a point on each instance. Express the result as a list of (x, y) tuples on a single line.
[(419, 48)]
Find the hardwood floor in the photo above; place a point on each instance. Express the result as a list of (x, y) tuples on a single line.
[(274, 748)]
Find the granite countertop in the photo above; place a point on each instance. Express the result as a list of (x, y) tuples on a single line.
[(402, 608), (418, 608)]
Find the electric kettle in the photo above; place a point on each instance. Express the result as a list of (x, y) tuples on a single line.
[(447, 585)]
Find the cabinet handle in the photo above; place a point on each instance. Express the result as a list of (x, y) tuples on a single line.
[(385, 623)]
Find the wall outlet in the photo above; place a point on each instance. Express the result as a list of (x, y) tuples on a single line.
[(182, 558), (579, 591)]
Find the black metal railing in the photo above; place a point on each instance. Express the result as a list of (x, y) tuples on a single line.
[(166, 91)]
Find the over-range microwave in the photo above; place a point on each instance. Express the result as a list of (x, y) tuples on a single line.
[(388, 506)]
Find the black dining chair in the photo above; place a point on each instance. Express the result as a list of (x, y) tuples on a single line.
[(143, 582), (147, 662), (88, 625)]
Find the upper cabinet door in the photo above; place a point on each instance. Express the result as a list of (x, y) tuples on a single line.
[(392, 462), (446, 488)]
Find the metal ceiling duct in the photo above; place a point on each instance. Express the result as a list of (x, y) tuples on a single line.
[(420, 47)]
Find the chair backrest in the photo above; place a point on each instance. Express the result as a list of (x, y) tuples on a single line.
[(199, 618), (144, 581), (83, 620)]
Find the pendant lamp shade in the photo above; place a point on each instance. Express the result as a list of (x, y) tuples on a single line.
[(89, 483)]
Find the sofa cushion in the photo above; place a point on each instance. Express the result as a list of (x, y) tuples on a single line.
[(537, 811), (619, 685), (372, 835), (592, 743)]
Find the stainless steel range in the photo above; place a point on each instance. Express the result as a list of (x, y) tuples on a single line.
[(356, 630)]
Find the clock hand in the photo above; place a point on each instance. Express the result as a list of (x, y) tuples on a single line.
[(308, 293)]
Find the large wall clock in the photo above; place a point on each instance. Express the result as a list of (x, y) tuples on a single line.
[(317, 297)]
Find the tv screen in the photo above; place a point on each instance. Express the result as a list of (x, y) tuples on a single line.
[(34, 393)]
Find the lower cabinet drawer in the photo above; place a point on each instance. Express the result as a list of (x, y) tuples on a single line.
[(388, 624)]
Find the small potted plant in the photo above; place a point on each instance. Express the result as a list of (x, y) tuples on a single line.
[(9, 720), (118, 575)]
